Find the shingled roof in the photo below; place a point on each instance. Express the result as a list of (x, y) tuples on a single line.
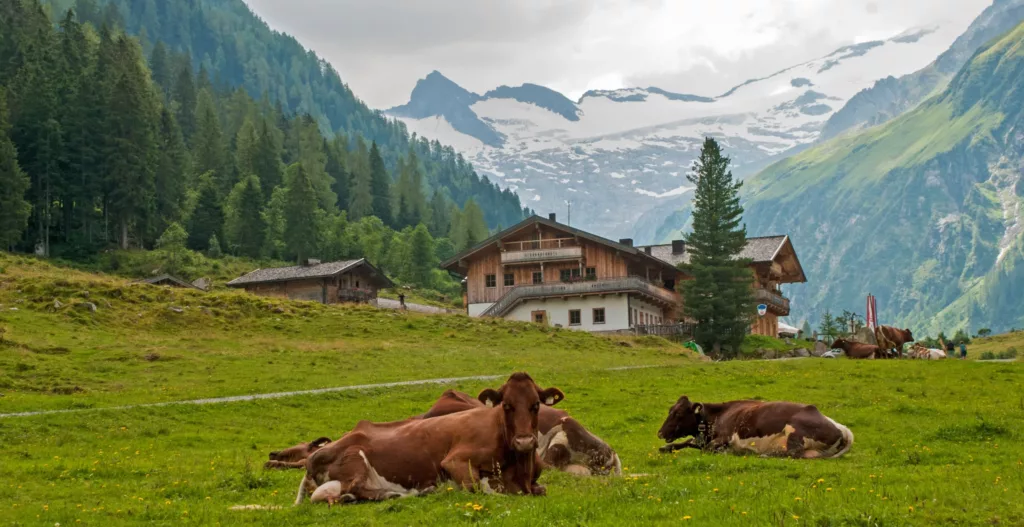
[(758, 250), (166, 279), (305, 272)]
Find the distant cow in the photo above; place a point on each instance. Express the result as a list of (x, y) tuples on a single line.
[(755, 427), (890, 338), (921, 352), (858, 350), (564, 444), (474, 448)]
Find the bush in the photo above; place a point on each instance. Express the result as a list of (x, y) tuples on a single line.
[(988, 355)]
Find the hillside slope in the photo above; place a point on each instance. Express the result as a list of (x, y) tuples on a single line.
[(891, 96), (923, 212)]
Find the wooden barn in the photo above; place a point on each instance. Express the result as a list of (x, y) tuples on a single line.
[(325, 282)]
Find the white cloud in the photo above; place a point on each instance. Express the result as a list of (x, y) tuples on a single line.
[(382, 47)]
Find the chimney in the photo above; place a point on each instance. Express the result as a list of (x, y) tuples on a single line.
[(647, 250), (552, 217), (678, 246), (628, 242)]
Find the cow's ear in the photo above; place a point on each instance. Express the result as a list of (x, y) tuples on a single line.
[(697, 408), (490, 397), (551, 396), (320, 442)]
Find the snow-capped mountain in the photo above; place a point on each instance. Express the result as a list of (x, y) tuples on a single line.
[(620, 157)]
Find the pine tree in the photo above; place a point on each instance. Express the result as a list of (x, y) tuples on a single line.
[(130, 121), (207, 218), (314, 162), (273, 216), (380, 187), (337, 172), (421, 259), (171, 170), (184, 95), (266, 160), (213, 247), (411, 205), (719, 298), (828, 328), (209, 147), (457, 229), (14, 209), (173, 241), (300, 221), (160, 66), (474, 224), (360, 203), (243, 226), (440, 215), (806, 330)]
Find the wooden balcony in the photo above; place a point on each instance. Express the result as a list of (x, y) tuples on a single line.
[(628, 284), (535, 251), (777, 304)]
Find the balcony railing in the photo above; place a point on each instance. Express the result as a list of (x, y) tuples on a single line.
[(360, 296), (583, 287), (776, 303), (541, 251)]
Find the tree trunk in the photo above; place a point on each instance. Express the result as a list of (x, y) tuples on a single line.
[(124, 234)]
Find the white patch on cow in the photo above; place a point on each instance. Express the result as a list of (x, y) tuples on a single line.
[(846, 441), (485, 486), (330, 491), (772, 445), (489, 403), (549, 401), (577, 470), (374, 482)]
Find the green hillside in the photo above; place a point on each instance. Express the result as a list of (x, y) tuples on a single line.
[(923, 212)]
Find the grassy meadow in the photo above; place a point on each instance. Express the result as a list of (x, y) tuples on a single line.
[(937, 443)]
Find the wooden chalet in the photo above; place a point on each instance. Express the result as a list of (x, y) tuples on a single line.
[(171, 281), (545, 272), (327, 282)]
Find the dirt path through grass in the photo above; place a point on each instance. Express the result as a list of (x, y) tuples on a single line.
[(278, 395), (253, 397)]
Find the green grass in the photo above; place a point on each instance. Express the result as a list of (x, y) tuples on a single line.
[(752, 343), (937, 443)]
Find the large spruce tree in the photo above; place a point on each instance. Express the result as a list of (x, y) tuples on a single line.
[(14, 209), (380, 187), (300, 213), (719, 298)]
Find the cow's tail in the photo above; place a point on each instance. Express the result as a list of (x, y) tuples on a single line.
[(845, 442)]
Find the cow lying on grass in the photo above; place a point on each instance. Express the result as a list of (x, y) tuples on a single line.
[(921, 352), (859, 350), (770, 429), (564, 443), (494, 445)]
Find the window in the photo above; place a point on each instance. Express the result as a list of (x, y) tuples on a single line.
[(574, 317), (490, 280), (599, 315), (591, 273), (510, 279), (564, 275), (576, 272), (540, 317), (538, 278)]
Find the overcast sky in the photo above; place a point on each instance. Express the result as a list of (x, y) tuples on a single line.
[(382, 47)]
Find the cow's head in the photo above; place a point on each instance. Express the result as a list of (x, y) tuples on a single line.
[(300, 451), (520, 398), (839, 344), (683, 420), (908, 335)]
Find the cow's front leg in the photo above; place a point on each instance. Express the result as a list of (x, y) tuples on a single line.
[(672, 447), (460, 469)]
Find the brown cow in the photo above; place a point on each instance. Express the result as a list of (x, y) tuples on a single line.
[(858, 350), (765, 428), (890, 338), (405, 458), (564, 444)]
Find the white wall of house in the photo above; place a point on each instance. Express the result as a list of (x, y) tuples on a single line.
[(655, 314), (476, 310), (616, 314)]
